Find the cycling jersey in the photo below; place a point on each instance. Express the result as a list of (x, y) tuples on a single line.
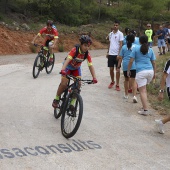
[(52, 31), (75, 63)]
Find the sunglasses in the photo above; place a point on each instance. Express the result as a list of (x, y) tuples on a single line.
[(116, 25), (148, 26)]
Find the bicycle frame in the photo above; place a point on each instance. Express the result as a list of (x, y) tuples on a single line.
[(44, 54), (73, 87), (44, 57)]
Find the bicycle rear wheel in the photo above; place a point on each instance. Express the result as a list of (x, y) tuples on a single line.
[(37, 66), (50, 65), (71, 116)]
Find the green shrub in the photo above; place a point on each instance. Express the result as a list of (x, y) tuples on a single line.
[(60, 47), (153, 88), (33, 48)]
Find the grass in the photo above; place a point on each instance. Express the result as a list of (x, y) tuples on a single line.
[(163, 107)]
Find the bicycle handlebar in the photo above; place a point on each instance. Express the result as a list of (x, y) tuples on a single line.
[(79, 79), (38, 45)]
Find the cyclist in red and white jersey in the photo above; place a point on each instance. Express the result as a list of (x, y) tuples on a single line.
[(72, 66), (50, 38)]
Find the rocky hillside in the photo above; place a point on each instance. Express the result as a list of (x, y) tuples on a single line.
[(18, 41)]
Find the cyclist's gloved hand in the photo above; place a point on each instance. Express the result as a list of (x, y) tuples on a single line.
[(94, 80), (63, 72)]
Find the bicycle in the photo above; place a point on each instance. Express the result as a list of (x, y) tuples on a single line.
[(42, 61), (71, 116)]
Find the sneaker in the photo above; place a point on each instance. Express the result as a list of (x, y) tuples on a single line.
[(143, 112), (163, 52), (117, 88), (159, 125), (111, 85), (130, 91), (125, 97), (160, 54), (51, 60), (135, 99), (55, 103)]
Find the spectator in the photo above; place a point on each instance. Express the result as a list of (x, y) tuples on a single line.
[(127, 32), (115, 38), (107, 37), (136, 38), (136, 41), (165, 80), (145, 69), (149, 33), (165, 28), (168, 38), (125, 56), (161, 39)]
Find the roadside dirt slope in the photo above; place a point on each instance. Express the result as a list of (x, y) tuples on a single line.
[(18, 42)]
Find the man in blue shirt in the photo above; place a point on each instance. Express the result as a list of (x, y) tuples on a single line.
[(161, 34)]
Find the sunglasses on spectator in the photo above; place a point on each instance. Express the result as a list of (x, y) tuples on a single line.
[(148, 26), (116, 25)]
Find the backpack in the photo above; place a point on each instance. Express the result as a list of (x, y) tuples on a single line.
[(77, 52), (54, 26)]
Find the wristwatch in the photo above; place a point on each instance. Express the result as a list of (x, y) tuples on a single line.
[(161, 91)]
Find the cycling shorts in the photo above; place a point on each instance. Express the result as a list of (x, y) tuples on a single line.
[(76, 72), (48, 43)]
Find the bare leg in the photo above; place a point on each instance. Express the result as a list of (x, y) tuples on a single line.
[(134, 86), (112, 73), (165, 120), (163, 49), (143, 96), (62, 86), (117, 77), (126, 85), (130, 84)]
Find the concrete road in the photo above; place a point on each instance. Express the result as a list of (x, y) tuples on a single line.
[(112, 136)]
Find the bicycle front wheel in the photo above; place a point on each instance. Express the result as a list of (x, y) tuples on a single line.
[(50, 65), (37, 66), (58, 111), (71, 115)]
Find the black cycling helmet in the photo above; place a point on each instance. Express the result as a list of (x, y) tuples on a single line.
[(85, 39), (49, 22)]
